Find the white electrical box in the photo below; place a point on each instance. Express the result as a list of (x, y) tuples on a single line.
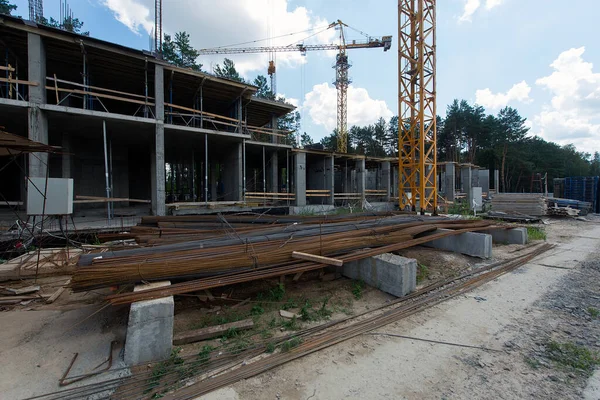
[(59, 196)]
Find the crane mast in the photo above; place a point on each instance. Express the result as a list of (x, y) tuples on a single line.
[(341, 68), (417, 105)]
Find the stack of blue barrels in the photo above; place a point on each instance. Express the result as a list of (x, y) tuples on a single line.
[(583, 189)]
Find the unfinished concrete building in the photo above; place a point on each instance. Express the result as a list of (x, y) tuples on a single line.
[(135, 128)]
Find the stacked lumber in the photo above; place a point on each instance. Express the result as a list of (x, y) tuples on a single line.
[(533, 204)]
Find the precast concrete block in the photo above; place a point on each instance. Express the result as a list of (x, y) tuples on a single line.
[(469, 243), (150, 328), (509, 236), (388, 272)]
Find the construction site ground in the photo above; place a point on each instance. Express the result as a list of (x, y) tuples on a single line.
[(511, 325)]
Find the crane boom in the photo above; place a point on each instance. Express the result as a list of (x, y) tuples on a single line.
[(341, 67), (385, 42)]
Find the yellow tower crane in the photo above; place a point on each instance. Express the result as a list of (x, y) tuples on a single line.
[(417, 106), (341, 67)]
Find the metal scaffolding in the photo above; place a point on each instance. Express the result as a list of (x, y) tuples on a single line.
[(417, 106)]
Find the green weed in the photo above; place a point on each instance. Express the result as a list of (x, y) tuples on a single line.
[(270, 347), (594, 312), (357, 289), (257, 310), (422, 273), (536, 233), (291, 324), (290, 344), (572, 355)]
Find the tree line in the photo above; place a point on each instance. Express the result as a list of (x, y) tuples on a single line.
[(469, 135)]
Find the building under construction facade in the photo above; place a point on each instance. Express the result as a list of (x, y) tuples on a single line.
[(137, 129)]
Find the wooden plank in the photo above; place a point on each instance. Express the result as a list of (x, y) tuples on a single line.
[(211, 332), (98, 199), (319, 259), (30, 83), (288, 315), (297, 276), (57, 294), (106, 96), (96, 88), (6, 68), (18, 291)]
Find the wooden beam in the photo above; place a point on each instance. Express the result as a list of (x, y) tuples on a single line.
[(95, 87), (30, 83), (211, 332), (57, 294), (106, 96), (319, 259)]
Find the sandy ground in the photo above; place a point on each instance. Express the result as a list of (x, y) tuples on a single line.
[(511, 318)]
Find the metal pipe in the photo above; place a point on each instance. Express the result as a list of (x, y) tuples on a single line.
[(193, 178), (244, 169), (206, 168), (111, 204), (106, 168), (264, 171), (287, 174)]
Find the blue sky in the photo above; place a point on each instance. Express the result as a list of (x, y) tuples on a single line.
[(539, 56)]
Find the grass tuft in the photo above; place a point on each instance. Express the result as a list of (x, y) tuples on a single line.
[(536, 233), (357, 289), (594, 312), (572, 355), (422, 272)]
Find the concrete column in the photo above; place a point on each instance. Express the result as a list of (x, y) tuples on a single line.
[(497, 180), (386, 179), (484, 180), (157, 164), (465, 179), (274, 124), (66, 157), (38, 121), (361, 175), (159, 92), (330, 179), (232, 174), (274, 173), (300, 178), (450, 182), (475, 178), (157, 171)]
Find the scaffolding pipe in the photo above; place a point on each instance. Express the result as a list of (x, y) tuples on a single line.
[(244, 169), (287, 174), (106, 168), (205, 168), (111, 205)]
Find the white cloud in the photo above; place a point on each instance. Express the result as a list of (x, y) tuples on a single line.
[(132, 14), (321, 105), (489, 4), (519, 92), (246, 20), (471, 6), (573, 115)]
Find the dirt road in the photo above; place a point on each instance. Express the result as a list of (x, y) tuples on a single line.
[(529, 325)]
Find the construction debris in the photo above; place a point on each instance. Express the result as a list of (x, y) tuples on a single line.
[(58, 293), (18, 291)]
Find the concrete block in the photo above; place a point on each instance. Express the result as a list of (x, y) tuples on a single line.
[(150, 328), (470, 243), (509, 236), (388, 272)]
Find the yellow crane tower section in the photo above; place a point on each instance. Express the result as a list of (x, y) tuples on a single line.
[(341, 66), (417, 105)]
